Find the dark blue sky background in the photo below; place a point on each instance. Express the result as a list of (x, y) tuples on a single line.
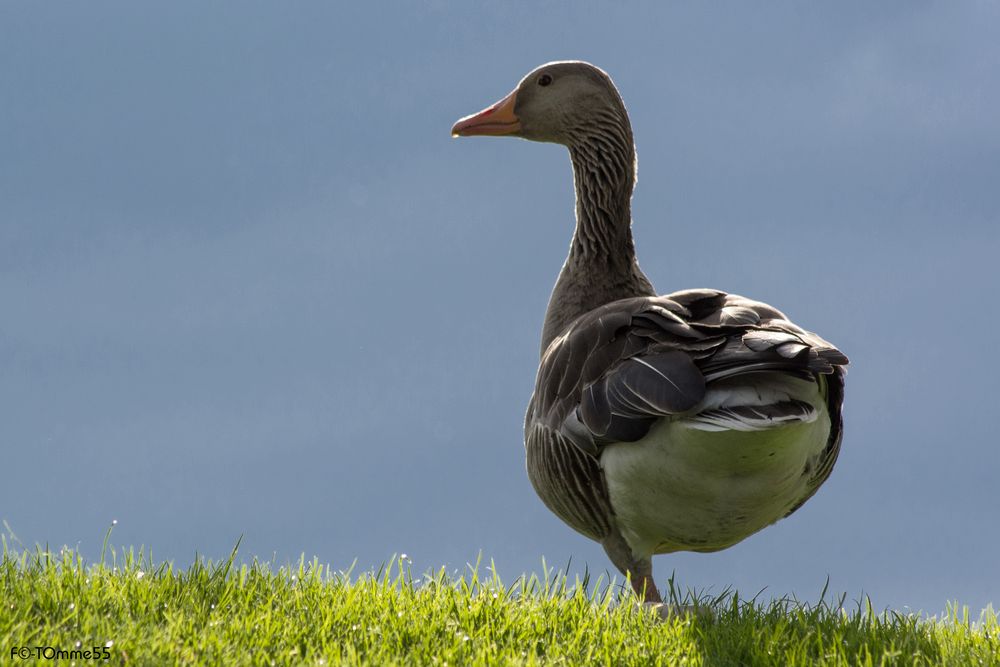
[(250, 285)]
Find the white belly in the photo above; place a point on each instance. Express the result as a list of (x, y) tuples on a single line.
[(684, 488)]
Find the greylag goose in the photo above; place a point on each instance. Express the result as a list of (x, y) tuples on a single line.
[(683, 422)]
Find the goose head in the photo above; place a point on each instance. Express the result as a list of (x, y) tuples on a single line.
[(563, 102)]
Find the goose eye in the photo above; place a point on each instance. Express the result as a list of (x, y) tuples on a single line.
[(544, 80)]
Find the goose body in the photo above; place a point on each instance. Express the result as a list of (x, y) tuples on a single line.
[(681, 422)]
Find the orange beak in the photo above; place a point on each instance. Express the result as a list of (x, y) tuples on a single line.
[(496, 120)]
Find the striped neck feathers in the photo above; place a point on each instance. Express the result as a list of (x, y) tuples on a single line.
[(601, 266)]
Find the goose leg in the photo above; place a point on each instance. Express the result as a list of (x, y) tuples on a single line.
[(639, 570), (642, 581)]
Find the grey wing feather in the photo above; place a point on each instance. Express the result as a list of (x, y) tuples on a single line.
[(661, 384), (617, 369)]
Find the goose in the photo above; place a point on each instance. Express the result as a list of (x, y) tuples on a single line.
[(680, 422)]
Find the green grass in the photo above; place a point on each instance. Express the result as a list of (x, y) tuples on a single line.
[(146, 613)]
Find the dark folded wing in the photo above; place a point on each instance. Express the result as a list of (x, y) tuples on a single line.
[(617, 369)]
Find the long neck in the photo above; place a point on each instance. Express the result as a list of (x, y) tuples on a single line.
[(601, 266)]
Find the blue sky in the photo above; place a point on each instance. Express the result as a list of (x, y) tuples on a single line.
[(251, 286)]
